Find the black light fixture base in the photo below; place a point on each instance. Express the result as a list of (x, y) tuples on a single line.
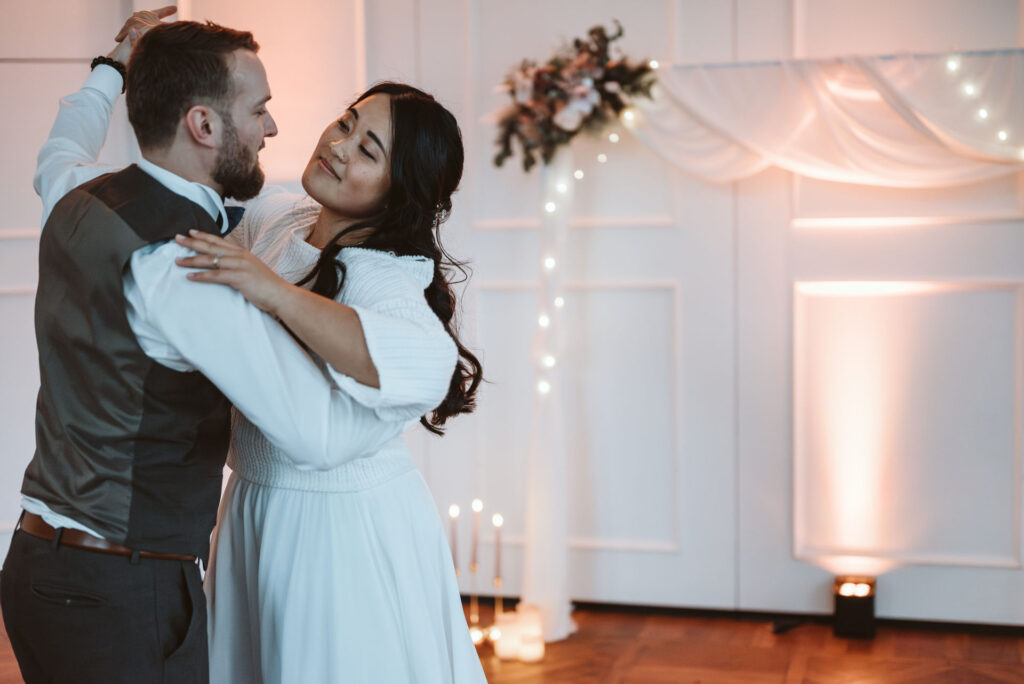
[(854, 613), (854, 617)]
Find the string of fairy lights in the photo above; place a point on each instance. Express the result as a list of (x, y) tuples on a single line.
[(553, 298), (983, 115)]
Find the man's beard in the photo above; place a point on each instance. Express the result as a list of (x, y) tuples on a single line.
[(237, 171)]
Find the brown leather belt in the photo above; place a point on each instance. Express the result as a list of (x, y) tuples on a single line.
[(37, 527)]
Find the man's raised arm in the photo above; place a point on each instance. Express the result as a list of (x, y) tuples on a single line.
[(68, 157)]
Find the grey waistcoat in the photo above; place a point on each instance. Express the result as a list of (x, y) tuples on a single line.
[(124, 445)]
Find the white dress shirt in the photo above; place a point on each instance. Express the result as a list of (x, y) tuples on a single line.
[(187, 326)]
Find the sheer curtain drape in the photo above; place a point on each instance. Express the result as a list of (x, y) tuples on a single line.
[(908, 121)]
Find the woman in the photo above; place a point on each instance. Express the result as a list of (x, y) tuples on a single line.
[(344, 575)]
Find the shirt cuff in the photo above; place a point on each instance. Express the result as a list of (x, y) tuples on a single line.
[(106, 80)]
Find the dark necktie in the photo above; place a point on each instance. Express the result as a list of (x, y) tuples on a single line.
[(234, 216)]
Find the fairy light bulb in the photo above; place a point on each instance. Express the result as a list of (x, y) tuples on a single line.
[(550, 263), (478, 505), (559, 302), (453, 511), (550, 207), (548, 361), (969, 89), (602, 157), (578, 174), (562, 188), (1002, 135), (629, 115), (614, 137), (953, 64), (654, 64), (497, 520), (544, 387), (543, 320), (983, 113)]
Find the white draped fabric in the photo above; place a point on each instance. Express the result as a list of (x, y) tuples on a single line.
[(546, 557), (910, 121)]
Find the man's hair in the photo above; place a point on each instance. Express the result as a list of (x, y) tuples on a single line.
[(174, 67)]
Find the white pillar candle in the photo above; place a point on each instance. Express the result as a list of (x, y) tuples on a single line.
[(478, 506), (453, 513), (498, 522)]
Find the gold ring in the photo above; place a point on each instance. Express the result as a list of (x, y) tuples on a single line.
[(216, 262)]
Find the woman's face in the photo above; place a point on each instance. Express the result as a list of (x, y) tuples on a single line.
[(350, 171)]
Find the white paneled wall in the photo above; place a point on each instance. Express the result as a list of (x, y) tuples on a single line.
[(879, 369), (45, 50), (706, 321)]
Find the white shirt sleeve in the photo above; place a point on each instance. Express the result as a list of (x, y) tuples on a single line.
[(68, 158), (252, 359)]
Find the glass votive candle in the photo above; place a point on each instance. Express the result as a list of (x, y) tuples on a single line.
[(506, 646), (531, 648), (531, 636)]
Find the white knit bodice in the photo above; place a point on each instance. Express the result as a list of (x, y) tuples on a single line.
[(387, 292)]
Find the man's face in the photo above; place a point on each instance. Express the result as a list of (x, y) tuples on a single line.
[(246, 122)]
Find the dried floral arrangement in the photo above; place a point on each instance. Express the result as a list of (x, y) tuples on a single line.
[(580, 88)]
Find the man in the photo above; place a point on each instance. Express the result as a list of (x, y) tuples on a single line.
[(101, 583)]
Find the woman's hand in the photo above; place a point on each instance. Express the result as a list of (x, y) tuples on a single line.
[(228, 264), (134, 27)]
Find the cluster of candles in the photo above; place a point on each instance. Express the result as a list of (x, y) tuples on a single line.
[(516, 635)]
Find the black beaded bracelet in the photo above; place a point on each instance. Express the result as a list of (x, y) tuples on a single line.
[(102, 59)]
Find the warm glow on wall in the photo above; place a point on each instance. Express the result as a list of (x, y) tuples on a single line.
[(848, 380), (885, 437), (857, 396), (315, 59), (866, 288)]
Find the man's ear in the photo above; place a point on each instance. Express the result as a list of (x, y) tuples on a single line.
[(203, 126)]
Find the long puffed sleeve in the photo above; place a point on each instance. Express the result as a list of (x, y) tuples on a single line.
[(413, 354)]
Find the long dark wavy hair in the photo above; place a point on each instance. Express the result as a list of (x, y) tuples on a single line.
[(426, 167)]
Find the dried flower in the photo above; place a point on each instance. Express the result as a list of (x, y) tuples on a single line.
[(579, 87)]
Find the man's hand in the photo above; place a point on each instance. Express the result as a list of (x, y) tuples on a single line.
[(137, 24)]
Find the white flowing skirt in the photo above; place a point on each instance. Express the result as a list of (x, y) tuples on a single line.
[(321, 587)]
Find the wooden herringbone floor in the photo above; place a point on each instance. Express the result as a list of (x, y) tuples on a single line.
[(621, 646)]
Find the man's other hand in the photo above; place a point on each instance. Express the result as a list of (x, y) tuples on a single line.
[(134, 27)]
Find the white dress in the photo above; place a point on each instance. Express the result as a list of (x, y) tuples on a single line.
[(340, 575)]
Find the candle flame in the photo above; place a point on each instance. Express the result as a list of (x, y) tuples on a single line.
[(478, 505), (453, 511), (498, 520)]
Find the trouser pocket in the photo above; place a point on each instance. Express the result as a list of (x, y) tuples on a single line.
[(68, 596), (187, 660)]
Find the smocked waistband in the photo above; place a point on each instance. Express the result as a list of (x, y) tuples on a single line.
[(354, 476)]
